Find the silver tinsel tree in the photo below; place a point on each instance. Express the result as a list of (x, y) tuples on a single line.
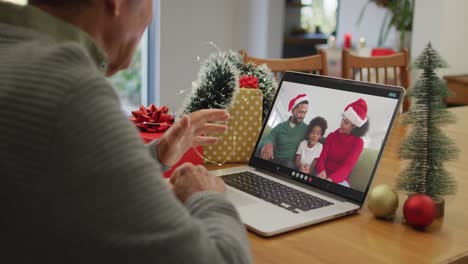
[(427, 147)]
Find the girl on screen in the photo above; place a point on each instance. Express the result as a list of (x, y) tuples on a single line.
[(310, 148), (343, 147)]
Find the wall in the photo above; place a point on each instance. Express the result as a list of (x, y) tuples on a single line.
[(258, 27), (187, 26), (275, 29), (442, 23), (369, 27)]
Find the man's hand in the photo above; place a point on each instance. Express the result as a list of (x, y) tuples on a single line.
[(189, 179), (188, 132), (267, 151)]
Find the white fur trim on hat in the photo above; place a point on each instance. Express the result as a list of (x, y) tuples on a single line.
[(352, 116), (300, 98)]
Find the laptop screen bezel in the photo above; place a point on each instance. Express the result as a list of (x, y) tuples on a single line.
[(340, 85)]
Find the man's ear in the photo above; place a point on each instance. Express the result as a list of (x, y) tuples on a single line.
[(114, 7)]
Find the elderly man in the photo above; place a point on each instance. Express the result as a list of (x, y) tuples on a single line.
[(78, 185), (283, 140)]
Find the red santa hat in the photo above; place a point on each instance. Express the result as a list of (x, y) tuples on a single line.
[(296, 100), (356, 112)]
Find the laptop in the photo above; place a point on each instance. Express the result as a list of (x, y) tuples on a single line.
[(278, 190)]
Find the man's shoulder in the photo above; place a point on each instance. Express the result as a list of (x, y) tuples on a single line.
[(68, 58), (282, 125), (55, 70), (42, 57)]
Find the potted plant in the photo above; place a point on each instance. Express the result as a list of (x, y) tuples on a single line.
[(399, 14)]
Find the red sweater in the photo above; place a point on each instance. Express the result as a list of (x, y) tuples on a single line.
[(339, 155)]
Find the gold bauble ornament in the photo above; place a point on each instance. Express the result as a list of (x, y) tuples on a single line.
[(382, 201)]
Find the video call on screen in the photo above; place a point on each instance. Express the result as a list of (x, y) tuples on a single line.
[(325, 133)]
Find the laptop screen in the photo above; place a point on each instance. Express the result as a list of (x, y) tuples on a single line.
[(327, 132)]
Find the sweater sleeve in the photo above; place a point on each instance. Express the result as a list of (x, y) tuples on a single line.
[(343, 172), (153, 150), (114, 206)]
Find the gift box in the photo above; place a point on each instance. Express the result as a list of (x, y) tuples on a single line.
[(189, 156), (238, 142), (153, 122)]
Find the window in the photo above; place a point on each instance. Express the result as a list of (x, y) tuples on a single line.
[(129, 83), (319, 16), (135, 86)]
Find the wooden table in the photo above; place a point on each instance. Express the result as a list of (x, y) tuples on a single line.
[(361, 238)]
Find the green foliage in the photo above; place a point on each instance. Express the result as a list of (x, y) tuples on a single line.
[(314, 14), (128, 82), (399, 14), (427, 147), (219, 79)]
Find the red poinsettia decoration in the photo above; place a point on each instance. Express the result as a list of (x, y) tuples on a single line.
[(248, 81), (152, 119)]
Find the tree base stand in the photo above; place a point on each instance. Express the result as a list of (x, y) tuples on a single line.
[(440, 208)]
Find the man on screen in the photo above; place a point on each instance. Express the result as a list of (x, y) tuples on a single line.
[(282, 142)]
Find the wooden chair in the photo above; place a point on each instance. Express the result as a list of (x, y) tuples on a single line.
[(392, 69), (311, 64)]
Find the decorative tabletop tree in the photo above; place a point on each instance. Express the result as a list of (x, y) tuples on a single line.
[(218, 81), (427, 147)]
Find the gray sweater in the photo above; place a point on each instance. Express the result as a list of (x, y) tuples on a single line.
[(78, 185)]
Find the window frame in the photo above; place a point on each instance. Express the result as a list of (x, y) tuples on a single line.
[(151, 58)]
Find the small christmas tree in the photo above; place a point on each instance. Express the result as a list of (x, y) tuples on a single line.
[(218, 80), (427, 147)]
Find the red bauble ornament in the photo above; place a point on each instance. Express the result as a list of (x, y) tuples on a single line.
[(419, 210)]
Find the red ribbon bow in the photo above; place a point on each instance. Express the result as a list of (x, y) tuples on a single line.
[(152, 119), (248, 81)]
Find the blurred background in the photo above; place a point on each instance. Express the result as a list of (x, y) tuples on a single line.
[(166, 63)]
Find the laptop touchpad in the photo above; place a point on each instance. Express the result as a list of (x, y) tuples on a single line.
[(239, 199)]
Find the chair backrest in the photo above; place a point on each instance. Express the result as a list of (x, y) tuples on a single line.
[(392, 69), (311, 64)]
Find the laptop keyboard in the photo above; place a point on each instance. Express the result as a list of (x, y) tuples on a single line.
[(274, 192)]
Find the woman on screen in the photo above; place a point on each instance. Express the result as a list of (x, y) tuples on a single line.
[(310, 148), (343, 147)]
